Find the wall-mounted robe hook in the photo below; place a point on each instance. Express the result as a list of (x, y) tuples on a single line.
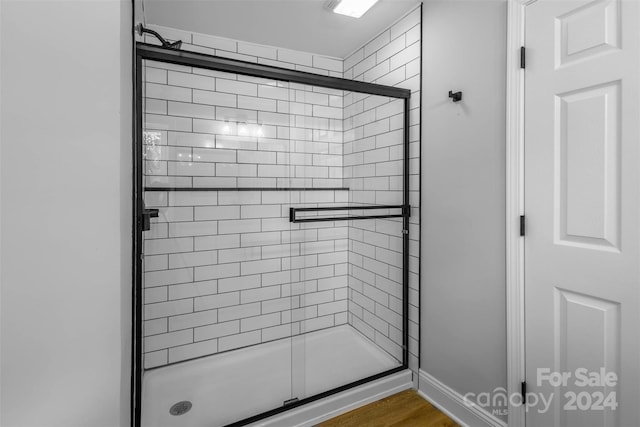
[(455, 96)]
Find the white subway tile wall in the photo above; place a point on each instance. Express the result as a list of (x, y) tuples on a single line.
[(215, 281), (227, 130), (226, 269)]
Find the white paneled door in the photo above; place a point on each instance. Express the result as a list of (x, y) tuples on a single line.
[(582, 258)]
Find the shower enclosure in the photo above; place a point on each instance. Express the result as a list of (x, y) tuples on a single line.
[(271, 247)]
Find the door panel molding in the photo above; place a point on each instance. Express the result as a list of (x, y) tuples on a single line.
[(596, 18), (596, 188), (572, 310)]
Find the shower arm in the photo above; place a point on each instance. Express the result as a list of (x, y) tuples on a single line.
[(140, 29)]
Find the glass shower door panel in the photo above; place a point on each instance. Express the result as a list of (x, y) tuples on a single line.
[(375, 159), (316, 169), (216, 276), (349, 294), (374, 148)]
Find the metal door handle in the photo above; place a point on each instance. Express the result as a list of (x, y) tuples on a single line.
[(147, 214)]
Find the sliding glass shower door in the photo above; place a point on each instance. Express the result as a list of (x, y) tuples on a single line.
[(349, 155), (217, 282), (272, 221)]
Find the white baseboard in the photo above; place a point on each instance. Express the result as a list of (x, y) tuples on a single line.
[(334, 405), (453, 405)]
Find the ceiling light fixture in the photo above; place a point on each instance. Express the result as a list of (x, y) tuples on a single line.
[(353, 8)]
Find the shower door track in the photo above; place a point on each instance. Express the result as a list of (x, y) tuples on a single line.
[(144, 51)]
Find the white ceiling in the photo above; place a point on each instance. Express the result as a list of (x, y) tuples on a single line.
[(295, 24)]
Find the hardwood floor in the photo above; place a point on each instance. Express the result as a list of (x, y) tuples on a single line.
[(405, 409)]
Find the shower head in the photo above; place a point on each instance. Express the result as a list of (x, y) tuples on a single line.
[(139, 28)]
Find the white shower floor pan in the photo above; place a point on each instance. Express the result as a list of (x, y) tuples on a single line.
[(232, 386)]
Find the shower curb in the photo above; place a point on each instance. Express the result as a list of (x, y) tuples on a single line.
[(332, 406)]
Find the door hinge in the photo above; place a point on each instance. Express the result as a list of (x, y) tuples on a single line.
[(523, 390), (522, 57), (522, 225)]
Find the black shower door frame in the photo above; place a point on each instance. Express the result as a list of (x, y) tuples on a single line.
[(146, 51)]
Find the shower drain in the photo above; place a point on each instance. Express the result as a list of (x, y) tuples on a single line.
[(180, 408)]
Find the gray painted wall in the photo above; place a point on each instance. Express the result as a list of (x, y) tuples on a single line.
[(463, 324), (66, 213)]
